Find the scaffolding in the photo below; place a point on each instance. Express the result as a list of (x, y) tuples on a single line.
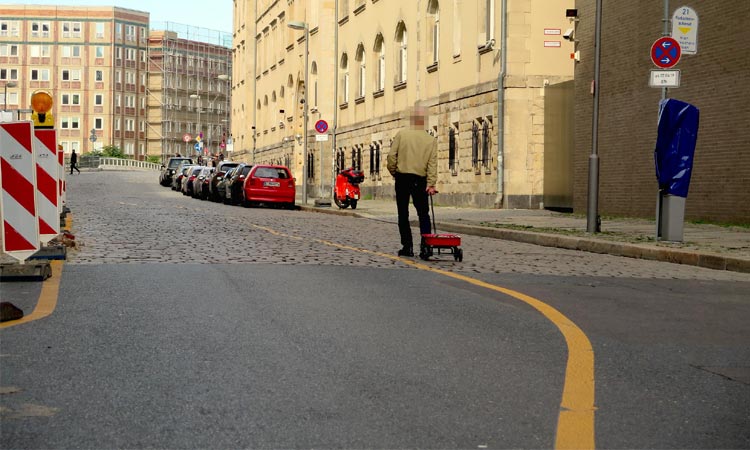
[(189, 90)]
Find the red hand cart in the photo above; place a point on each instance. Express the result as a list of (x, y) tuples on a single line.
[(442, 242)]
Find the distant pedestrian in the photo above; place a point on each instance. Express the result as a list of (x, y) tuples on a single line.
[(74, 162), (221, 156), (200, 160), (413, 163)]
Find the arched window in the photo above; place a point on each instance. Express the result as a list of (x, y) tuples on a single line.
[(433, 19), (360, 57), (344, 78), (314, 73), (401, 58), (379, 50)]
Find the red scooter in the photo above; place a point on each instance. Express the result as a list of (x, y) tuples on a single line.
[(346, 191)]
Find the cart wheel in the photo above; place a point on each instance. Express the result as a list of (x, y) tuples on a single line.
[(353, 203), (459, 255), (424, 253)]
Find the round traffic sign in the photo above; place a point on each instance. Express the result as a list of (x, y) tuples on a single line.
[(321, 126), (665, 52), (186, 137)]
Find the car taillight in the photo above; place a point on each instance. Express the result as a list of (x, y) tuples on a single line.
[(290, 184)]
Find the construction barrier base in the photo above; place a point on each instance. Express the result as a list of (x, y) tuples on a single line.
[(36, 271)]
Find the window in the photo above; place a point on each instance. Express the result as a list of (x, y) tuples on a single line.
[(99, 75), (344, 78), (456, 28), (117, 124), (360, 57), (433, 11), (71, 51), (12, 98), (98, 123), (40, 74), (39, 29), (453, 149), (118, 31), (71, 75), (130, 54), (74, 123), (36, 51), (8, 74), (118, 53), (9, 50), (99, 51), (99, 30), (129, 125), (118, 100), (380, 52), (401, 61), (98, 99), (487, 25)]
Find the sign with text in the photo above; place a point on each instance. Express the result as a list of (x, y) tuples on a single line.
[(665, 78), (685, 29)]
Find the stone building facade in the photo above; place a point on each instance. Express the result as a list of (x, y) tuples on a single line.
[(371, 60)]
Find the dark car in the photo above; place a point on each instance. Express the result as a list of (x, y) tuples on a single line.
[(169, 169), (221, 188), (179, 175), (235, 184), (270, 184), (216, 177)]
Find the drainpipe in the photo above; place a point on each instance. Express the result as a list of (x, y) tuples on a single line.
[(335, 94), (255, 79), (501, 103)]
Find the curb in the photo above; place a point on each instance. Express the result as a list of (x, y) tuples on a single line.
[(592, 245)]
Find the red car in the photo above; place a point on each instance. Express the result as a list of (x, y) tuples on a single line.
[(269, 184)]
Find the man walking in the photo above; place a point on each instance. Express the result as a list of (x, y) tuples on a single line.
[(413, 163), (74, 162)]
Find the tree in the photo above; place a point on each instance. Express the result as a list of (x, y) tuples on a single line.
[(112, 151)]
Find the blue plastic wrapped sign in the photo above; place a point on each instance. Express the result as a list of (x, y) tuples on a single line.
[(675, 146)]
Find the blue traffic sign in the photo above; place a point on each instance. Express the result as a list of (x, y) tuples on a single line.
[(665, 52), (197, 147), (321, 126)]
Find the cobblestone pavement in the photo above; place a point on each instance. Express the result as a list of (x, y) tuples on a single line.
[(127, 217)]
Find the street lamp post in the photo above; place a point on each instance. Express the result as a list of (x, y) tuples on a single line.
[(9, 84), (198, 109), (304, 26)]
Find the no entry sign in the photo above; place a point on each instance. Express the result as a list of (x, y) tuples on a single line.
[(665, 52)]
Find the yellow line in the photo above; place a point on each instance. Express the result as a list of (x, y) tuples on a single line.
[(47, 298), (575, 423), (47, 301)]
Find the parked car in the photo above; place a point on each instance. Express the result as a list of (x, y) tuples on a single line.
[(221, 190), (200, 184), (269, 184), (180, 174), (169, 169), (235, 185), (187, 180), (217, 176)]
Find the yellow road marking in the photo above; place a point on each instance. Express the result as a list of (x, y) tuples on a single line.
[(47, 298), (575, 423)]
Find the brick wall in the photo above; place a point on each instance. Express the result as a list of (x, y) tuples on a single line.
[(715, 80)]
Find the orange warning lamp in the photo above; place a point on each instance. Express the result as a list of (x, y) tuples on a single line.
[(41, 104)]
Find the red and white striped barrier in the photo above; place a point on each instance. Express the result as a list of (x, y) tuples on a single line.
[(18, 212), (47, 172), (61, 179)]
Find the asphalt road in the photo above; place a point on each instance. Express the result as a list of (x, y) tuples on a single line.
[(188, 324)]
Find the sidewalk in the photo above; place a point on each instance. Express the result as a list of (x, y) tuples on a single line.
[(710, 246)]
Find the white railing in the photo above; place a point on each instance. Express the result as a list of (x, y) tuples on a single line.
[(120, 163)]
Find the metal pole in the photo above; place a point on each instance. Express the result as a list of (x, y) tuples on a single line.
[(665, 32), (592, 214), (304, 112)]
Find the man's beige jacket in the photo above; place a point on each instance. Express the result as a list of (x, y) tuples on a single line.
[(414, 151)]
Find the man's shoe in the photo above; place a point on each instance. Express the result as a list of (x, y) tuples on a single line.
[(406, 251)]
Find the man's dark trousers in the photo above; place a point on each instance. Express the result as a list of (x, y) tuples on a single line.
[(411, 186)]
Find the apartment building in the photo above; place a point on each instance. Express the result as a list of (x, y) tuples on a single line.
[(92, 60), (483, 70), (190, 72)]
